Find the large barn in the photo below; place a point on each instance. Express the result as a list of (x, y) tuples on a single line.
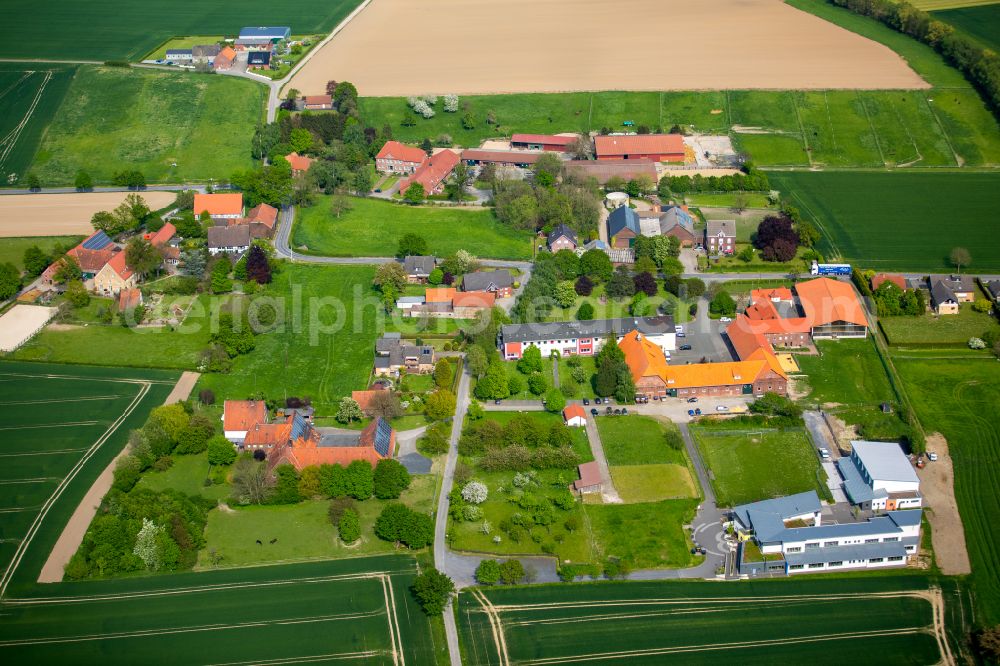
[(655, 147)]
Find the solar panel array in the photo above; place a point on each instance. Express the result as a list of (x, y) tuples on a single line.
[(299, 427), (383, 437), (98, 241)]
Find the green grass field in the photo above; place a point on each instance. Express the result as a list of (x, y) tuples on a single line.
[(648, 535), (900, 221), (129, 31), (30, 94), (980, 22), (958, 398), (61, 426), (839, 360), (653, 483), (547, 419), (759, 622), (752, 465), (12, 249), (373, 229), (355, 610), (946, 330), (639, 440), (114, 119)]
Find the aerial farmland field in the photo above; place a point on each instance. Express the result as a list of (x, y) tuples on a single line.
[(356, 610), (30, 94), (693, 623), (119, 29), (900, 221), (61, 426)]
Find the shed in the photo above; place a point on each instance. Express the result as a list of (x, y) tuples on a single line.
[(590, 478), (574, 416)]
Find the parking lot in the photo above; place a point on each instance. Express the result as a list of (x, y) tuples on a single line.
[(706, 340)]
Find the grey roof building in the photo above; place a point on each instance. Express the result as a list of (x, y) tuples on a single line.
[(259, 59), (993, 289), (229, 239), (561, 231), (675, 216), (392, 354), (266, 32), (205, 51), (721, 228), (487, 281), (622, 218), (418, 267)]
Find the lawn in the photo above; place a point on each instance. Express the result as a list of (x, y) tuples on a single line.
[(23, 125), (12, 249), (547, 419), (354, 610), (614, 308), (645, 536), (653, 483), (129, 30), (115, 118), (733, 264), (326, 348), (658, 622), (883, 221), (981, 23), (958, 398), (302, 531), (744, 287), (188, 475), (525, 394), (85, 414), (640, 440), (934, 330), (364, 230), (752, 465), (726, 199), (846, 372)]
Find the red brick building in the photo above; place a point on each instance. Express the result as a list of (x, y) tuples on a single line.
[(433, 172), (654, 147), (548, 142), (396, 157)]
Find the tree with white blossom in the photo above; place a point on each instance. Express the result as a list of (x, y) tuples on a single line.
[(475, 492)]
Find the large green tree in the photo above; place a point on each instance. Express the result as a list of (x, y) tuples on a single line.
[(433, 589)]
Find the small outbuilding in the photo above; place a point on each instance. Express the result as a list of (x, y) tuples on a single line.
[(574, 416), (590, 478)]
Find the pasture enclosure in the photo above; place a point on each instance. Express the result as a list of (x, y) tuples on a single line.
[(129, 30), (357, 610), (61, 426), (894, 221), (63, 214), (781, 48), (171, 126), (373, 228), (29, 96), (693, 623), (18, 324)]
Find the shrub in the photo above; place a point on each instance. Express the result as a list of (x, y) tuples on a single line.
[(475, 492), (349, 526), (390, 479), (488, 572), (126, 474), (402, 525), (206, 397), (511, 572)]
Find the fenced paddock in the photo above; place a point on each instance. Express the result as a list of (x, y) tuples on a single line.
[(817, 622), (21, 323), (59, 427), (350, 611)]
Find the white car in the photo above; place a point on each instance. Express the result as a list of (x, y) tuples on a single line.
[(824, 454), (678, 329), (932, 457), (725, 320), (722, 408)]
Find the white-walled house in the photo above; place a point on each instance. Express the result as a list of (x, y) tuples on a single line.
[(879, 476), (583, 338), (786, 535)]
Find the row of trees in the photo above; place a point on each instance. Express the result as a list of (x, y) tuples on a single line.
[(751, 180), (252, 484)]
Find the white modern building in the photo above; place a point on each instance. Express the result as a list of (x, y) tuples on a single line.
[(878, 476), (583, 338), (786, 536)]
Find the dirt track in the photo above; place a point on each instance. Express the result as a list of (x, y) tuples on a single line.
[(63, 214), (408, 47), (947, 534)]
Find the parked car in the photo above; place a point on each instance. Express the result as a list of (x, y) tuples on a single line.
[(586, 402), (697, 411), (932, 456), (678, 328), (690, 412), (692, 399), (722, 408), (682, 334), (497, 402), (684, 348), (824, 454), (593, 412), (624, 411), (608, 411), (618, 412), (597, 401), (725, 319)]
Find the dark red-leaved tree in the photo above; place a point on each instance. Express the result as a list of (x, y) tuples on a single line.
[(776, 238), (584, 286), (645, 282), (258, 268)]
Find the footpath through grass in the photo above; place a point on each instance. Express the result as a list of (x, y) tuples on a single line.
[(115, 119), (697, 623), (373, 229), (900, 221)]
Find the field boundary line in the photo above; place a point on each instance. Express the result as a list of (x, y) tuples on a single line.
[(8, 142), (120, 380), (43, 601), (871, 126), (40, 453), (390, 613), (140, 633), (959, 161), (302, 660), (45, 402), (49, 425), (876, 633), (80, 464), (495, 625)]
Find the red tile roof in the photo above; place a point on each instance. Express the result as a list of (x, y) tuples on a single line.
[(268, 434), (590, 475), (439, 294), (218, 204), (118, 265), (394, 150), (604, 170), (644, 358), (128, 299), (752, 345), (263, 214), (778, 293), (318, 100), (639, 144), (501, 156), (243, 414), (572, 411), (92, 261), (474, 299), (225, 58), (548, 139), (299, 162), (165, 233), (826, 301), (364, 398), (433, 171)]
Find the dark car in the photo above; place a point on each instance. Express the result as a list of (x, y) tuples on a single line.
[(685, 348), (692, 399), (618, 412), (608, 411), (624, 410), (586, 402), (497, 402), (697, 412), (593, 412), (690, 412)]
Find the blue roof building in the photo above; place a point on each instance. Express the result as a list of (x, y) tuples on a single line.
[(267, 32)]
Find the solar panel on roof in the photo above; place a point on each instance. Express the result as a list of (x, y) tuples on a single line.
[(383, 437), (97, 241), (299, 427)]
